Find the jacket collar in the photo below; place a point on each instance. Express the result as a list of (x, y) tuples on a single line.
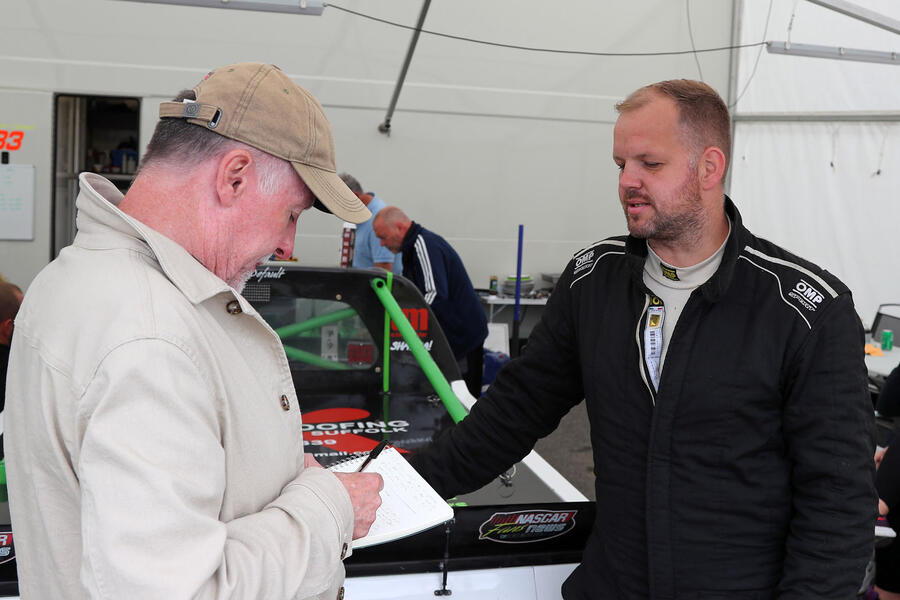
[(102, 225), (410, 238), (715, 288)]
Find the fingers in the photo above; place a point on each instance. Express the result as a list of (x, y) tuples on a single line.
[(363, 489), (882, 507), (310, 461)]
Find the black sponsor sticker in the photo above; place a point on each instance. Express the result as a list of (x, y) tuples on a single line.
[(527, 526)]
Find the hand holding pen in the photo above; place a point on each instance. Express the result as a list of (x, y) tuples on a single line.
[(363, 489), (372, 455)]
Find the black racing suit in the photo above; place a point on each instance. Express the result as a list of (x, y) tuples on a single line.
[(747, 475)]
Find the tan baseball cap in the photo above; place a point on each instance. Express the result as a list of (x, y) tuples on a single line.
[(259, 105)]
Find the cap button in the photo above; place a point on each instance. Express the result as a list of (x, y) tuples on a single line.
[(233, 308)]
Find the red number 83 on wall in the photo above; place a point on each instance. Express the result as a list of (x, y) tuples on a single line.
[(11, 140)]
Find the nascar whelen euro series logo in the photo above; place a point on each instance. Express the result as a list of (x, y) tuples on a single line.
[(526, 526)]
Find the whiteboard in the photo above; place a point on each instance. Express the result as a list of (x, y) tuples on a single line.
[(16, 202)]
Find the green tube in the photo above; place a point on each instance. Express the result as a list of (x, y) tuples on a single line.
[(386, 360), (386, 374), (315, 322), (313, 359), (432, 372)]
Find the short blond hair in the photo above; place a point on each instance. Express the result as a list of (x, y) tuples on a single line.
[(702, 114)]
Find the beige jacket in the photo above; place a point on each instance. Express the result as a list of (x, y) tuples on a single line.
[(153, 444)]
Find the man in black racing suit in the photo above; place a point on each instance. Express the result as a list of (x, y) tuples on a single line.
[(724, 380)]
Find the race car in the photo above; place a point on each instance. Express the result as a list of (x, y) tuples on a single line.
[(370, 362)]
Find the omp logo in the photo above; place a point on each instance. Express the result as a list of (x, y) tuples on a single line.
[(584, 262), (807, 295), (809, 292), (584, 258)]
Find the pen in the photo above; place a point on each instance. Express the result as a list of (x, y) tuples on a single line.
[(373, 454)]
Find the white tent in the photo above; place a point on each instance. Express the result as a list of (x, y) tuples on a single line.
[(486, 137)]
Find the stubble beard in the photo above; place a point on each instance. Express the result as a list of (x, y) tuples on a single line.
[(240, 282), (684, 223)]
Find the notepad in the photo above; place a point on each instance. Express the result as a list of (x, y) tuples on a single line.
[(408, 504)]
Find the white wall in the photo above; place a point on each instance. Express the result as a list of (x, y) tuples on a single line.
[(29, 111), (483, 138)]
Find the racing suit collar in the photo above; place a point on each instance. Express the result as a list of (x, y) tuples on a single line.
[(715, 288)]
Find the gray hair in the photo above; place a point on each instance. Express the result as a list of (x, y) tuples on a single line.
[(180, 145), (352, 183)]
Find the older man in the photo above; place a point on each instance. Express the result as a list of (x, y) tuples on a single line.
[(367, 251), (724, 382), (431, 263), (153, 429)]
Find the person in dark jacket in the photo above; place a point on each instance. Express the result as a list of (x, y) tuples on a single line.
[(887, 557), (887, 483), (436, 269), (725, 386)]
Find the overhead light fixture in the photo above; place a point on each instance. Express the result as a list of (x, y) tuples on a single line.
[(863, 14), (833, 52), (297, 7)]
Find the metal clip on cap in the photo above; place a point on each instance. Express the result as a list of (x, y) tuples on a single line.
[(215, 120)]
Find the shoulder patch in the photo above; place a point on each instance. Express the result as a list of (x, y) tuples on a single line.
[(584, 260), (806, 295), (800, 288)]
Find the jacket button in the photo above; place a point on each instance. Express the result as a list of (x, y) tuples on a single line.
[(233, 308), (340, 595), (285, 403), (343, 551)]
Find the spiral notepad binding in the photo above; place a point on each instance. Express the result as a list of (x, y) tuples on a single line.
[(349, 458)]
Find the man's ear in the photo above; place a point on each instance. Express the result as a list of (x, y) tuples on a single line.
[(233, 175), (6, 329), (711, 168)]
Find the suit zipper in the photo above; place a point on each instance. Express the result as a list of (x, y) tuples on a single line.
[(638, 338)]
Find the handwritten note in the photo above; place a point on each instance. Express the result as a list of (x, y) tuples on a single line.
[(408, 504)]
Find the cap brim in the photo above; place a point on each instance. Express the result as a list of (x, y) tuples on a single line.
[(333, 193)]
